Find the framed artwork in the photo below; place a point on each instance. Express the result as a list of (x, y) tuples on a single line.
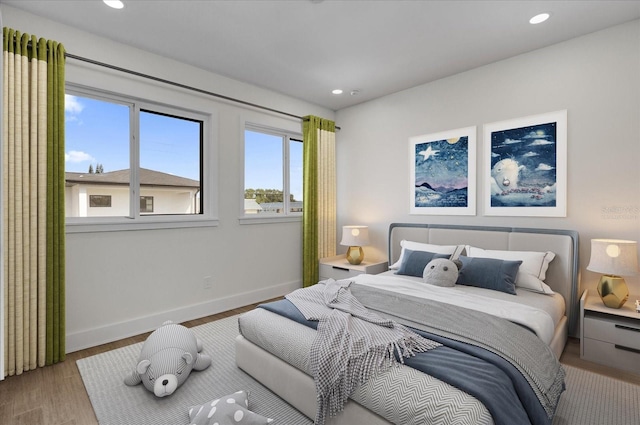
[(526, 166), (443, 172)]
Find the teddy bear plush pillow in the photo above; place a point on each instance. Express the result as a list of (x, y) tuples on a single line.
[(167, 358), (227, 410)]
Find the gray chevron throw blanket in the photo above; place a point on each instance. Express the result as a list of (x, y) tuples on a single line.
[(352, 343)]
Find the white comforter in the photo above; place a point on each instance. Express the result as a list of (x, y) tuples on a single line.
[(539, 321)]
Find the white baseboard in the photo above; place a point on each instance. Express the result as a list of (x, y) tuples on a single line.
[(116, 331)]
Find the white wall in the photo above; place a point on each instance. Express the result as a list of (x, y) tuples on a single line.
[(125, 283), (165, 200), (595, 77)]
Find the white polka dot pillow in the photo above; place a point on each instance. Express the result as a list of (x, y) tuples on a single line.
[(228, 410)]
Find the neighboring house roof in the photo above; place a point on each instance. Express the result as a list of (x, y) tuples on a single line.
[(251, 204), (121, 177)]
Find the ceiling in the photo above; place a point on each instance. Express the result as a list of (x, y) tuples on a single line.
[(306, 48)]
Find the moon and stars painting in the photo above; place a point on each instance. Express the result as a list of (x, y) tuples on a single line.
[(443, 167), (526, 166)]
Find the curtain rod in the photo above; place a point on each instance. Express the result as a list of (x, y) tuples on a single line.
[(173, 83), (184, 86)]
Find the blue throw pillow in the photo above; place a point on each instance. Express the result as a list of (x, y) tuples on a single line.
[(489, 273), (414, 262)]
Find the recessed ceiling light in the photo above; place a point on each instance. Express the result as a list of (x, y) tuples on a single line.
[(116, 4), (539, 18), (336, 91)]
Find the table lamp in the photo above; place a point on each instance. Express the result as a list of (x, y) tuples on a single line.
[(355, 237), (614, 258)]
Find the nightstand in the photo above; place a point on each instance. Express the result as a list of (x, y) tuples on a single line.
[(610, 336), (339, 268)]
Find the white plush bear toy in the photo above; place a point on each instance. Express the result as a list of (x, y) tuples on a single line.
[(167, 358), (440, 272)]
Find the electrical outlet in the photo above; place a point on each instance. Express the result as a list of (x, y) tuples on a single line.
[(208, 282)]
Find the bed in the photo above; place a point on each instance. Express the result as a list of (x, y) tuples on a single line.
[(274, 347)]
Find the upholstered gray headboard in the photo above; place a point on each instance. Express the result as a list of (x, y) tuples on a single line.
[(562, 275)]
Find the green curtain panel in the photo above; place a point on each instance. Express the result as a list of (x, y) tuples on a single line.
[(33, 202), (319, 188)]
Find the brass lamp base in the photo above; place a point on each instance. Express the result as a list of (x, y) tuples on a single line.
[(613, 291), (355, 255)]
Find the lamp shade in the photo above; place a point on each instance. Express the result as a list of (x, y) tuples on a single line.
[(614, 257), (355, 235)]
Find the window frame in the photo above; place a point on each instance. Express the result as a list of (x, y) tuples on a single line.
[(287, 136), (138, 221)]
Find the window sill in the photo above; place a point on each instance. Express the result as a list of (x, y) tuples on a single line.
[(120, 224), (270, 219)]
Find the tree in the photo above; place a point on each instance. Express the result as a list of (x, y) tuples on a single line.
[(90, 169), (99, 169), (265, 195)]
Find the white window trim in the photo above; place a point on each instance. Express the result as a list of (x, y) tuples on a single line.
[(147, 222), (269, 218)]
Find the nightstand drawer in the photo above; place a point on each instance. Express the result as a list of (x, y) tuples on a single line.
[(611, 355), (335, 272), (337, 267), (613, 331)]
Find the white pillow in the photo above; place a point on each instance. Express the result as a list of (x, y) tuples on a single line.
[(419, 246), (530, 282), (532, 271)]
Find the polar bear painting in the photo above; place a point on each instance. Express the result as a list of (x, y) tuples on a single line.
[(505, 176), (507, 188), (526, 165)]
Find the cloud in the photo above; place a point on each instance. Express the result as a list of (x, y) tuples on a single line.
[(544, 167), (540, 142), (77, 156), (512, 141), (529, 154), (72, 105), (536, 135), (72, 109)]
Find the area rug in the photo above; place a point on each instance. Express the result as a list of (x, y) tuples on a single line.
[(114, 403), (590, 399)]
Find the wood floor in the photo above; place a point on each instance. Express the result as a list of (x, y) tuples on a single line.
[(55, 395)]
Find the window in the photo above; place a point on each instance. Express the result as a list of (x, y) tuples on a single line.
[(170, 162), (120, 149), (272, 173), (100, 201), (146, 204)]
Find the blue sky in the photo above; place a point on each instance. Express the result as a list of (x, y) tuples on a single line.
[(263, 163), (97, 132)]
